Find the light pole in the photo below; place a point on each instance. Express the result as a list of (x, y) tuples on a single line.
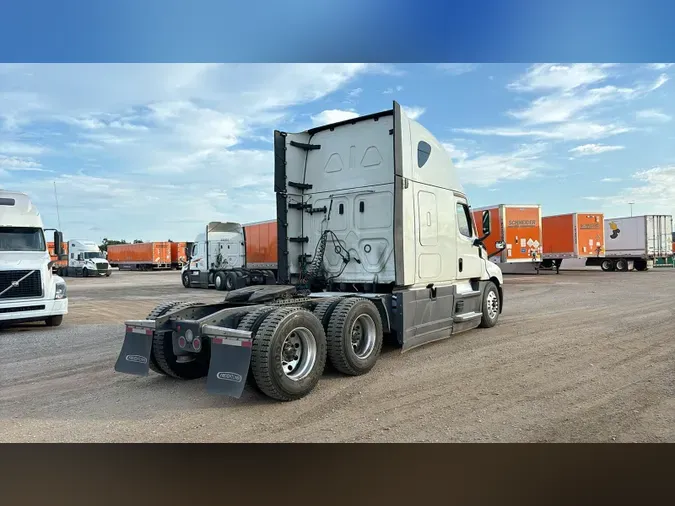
[(631, 207)]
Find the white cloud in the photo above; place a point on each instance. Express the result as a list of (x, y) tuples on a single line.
[(551, 76), (166, 133), (659, 66), (594, 149), (20, 148), (413, 112), (570, 131), (653, 114), (330, 116), (611, 180), (355, 93), (457, 68), (660, 81), (487, 169)]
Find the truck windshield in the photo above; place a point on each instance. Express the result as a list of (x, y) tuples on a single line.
[(21, 239), (92, 254)]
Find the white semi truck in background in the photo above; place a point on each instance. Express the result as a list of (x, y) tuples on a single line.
[(375, 238), (29, 290), (85, 259)]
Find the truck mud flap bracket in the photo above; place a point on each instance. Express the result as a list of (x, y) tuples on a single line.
[(134, 358), (230, 360)]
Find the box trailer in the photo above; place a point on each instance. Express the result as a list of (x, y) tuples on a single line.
[(572, 236), (374, 236), (56, 263), (519, 227), (140, 256), (236, 255), (635, 242), (179, 254)]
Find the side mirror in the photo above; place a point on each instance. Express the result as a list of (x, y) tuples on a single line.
[(80, 257), (486, 223), (58, 243)]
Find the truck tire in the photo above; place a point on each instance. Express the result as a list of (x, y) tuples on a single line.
[(355, 336), (185, 277), (251, 323), (640, 265), (622, 265), (164, 358), (491, 304), (85, 272), (607, 265), (54, 321), (219, 281), (160, 310), (324, 310), (230, 281), (289, 354)]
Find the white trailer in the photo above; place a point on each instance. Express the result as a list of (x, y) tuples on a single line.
[(375, 237), (635, 242), (29, 290), (85, 259)]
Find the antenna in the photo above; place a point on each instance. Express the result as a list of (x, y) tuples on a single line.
[(58, 216)]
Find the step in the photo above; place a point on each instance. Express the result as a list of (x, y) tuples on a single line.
[(465, 317)]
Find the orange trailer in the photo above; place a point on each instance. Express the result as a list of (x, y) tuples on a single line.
[(142, 256), (519, 226), (573, 235), (261, 245), (179, 254), (54, 258)]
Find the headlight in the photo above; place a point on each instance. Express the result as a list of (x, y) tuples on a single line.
[(60, 291)]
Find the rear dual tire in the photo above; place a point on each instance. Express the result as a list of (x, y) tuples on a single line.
[(225, 281)]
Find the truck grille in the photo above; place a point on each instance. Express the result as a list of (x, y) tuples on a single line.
[(4, 310), (101, 266), (31, 286)]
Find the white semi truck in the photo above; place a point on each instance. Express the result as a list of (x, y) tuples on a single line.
[(85, 259), (375, 237), (218, 258), (29, 290)]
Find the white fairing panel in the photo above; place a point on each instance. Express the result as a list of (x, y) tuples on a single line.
[(352, 175)]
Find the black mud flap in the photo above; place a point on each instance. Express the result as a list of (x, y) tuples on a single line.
[(135, 355), (230, 361)]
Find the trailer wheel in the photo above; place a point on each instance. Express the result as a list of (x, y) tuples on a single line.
[(230, 281), (622, 265), (491, 305), (607, 265), (355, 336), (162, 359), (289, 354), (251, 323), (640, 265), (186, 279)]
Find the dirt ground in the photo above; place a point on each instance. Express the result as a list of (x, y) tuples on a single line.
[(576, 357)]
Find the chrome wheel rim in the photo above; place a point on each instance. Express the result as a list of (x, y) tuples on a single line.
[(298, 354), (219, 281), (363, 334), (492, 304)]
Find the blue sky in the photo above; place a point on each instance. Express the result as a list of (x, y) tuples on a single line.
[(155, 151)]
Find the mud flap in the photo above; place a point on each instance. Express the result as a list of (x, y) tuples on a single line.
[(135, 355), (230, 361)]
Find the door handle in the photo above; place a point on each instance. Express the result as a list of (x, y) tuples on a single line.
[(461, 264)]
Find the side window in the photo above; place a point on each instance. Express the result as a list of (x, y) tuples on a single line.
[(423, 152), (194, 250), (463, 220), (72, 256)]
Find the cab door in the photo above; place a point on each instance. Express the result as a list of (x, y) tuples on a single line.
[(469, 262)]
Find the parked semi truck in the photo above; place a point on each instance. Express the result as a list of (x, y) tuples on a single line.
[(85, 259), (519, 227), (635, 242), (375, 237), (145, 256), (573, 236), (236, 255), (29, 290)]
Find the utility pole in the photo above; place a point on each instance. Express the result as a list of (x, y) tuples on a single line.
[(631, 208), (58, 216)]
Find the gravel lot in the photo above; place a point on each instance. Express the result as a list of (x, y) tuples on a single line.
[(580, 356)]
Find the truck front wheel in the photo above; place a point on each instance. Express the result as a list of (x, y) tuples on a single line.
[(289, 354), (54, 321), (491, 305), (354, 336), (186, 279)]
